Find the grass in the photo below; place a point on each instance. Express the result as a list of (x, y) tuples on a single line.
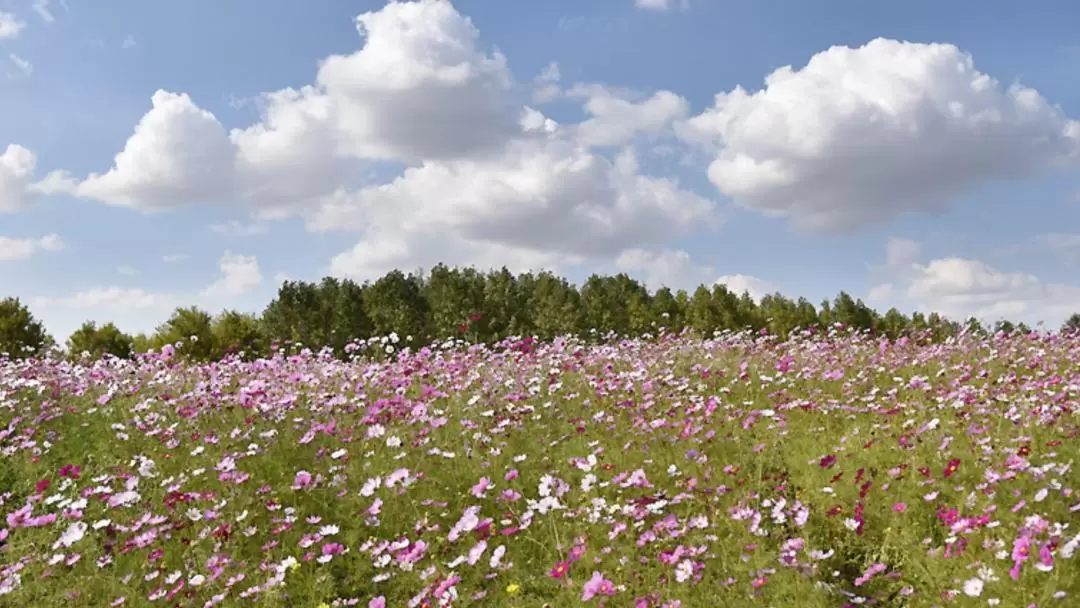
[(739, 471)]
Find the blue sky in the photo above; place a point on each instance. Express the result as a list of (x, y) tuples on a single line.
[(918, 154)]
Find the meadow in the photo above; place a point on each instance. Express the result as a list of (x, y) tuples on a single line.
[(814, 472)]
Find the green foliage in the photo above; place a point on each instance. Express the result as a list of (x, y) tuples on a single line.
[(141, 343), (487, 307), (236, 333), (191, 327), (331, 313), (101, 340), (1072, 323), (395, 304), (21, 334)]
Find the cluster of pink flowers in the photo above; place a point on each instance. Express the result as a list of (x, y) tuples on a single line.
[(651, 473)]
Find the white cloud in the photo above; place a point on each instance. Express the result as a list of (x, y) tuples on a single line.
[(488, 181), (239, 275), (10, 26), (294, 153), (960, 288), (17, 166), (41, 7), (128, 271), (25, 66), (665, 268), (25, 248), (550, 73), (740, 283), (616, 116), (178, 154), (546, 84), (175, 258), (420, 88), (860, 135), (549, 201)]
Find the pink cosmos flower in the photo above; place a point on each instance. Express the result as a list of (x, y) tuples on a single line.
[(302, 481), (597, 585), (481, 487)]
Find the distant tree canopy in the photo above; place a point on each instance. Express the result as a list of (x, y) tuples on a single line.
[(21, 335), (97, 341), (477, 306)]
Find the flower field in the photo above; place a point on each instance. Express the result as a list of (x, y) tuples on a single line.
[(821, 471)]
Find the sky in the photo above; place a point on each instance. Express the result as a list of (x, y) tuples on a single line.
[(921, 155)]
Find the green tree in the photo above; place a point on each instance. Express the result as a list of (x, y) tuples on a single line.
[(330, 313), (455, 300), (703, 314), (21, 335), (101, 340), (395, 304), (1004, 326), (1072, 324), (192, 327), (555, 305), (894, 324), (237, 333), (141, 343), (506, 305), (666, 311)]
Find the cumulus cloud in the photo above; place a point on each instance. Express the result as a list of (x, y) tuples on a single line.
[(741, 283), (485, 180), (25, 248), (17, 166), (179, 154), (544, 201), (10, 26), (420, 88), (860, 135), (617, 116), (960, 288), (239, 275), (671, 268)]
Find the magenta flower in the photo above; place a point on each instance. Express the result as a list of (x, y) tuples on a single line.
[(302, 481), (597, 585), (481, 487)]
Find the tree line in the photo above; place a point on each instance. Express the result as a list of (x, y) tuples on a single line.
[(476, 306)]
